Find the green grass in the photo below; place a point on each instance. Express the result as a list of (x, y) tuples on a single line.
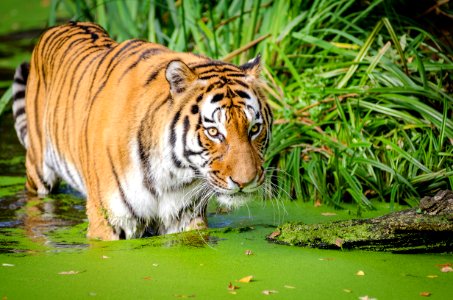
[(362, 98)]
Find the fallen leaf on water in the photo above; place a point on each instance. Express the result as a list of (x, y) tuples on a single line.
[(7, 265), (328, 214), (360, 273), (444, 265), (274, 234), (366, 298), (69, 272), (246, 279), (248, 252), (269, 292), (432, 276), (289, 287), (232, 287), (327, 258), (425, 294), (147, 278), (184, 296), (446, 269), (339, 242)]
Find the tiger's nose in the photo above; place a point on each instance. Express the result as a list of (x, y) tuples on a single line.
[(247, 179), (243, 184)]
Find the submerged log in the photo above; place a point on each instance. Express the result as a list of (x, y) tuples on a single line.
[(428, 228)]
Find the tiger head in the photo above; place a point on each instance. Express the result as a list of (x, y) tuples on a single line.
[(225, 124)]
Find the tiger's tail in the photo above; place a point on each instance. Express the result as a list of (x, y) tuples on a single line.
[(20, 117)]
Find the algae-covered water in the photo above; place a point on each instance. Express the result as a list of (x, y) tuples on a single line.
[(44, 254)]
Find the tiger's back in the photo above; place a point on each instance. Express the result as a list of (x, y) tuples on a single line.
[(113, 120)]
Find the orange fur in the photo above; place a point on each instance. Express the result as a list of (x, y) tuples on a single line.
[(89, 99)]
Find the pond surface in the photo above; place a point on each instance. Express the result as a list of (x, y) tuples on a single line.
[(44, 254)]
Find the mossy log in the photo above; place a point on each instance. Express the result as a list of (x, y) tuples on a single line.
[(428, 228)]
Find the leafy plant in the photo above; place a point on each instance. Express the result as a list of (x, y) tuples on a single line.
[(362, 98)]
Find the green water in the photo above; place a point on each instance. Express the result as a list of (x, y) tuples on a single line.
[(202, 265)]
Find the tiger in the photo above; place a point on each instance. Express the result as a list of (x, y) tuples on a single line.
[(146, 134)]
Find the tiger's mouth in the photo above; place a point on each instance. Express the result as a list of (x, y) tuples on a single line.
[(229, 187), (236, 191)]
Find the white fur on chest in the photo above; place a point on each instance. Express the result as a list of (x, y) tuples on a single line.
[(173, 190)]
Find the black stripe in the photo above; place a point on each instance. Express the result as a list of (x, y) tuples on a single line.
[(19, 95), (242, 94), (24, 70), (214, 63), (175, 160), (19, 112), (215, 111), (37, 125), (208, 77), (211, 63), (235, 75), (143, 55), (217, 98), (120, 187), (23, 133), (217, 178), (143, 149), (152, 76), (19, 80), (206, 120), (188, 152), (242, 83), (211, 86), (172, 128)]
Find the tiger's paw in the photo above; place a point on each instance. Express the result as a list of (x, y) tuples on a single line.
[(102, 232)]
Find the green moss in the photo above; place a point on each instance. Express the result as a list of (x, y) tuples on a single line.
[(323, 235)]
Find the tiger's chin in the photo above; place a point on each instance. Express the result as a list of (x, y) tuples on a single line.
[(235, 200)]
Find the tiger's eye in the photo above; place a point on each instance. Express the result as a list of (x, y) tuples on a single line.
[(255, 128), (213, 131)]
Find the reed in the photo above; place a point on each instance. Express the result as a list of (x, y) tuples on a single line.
[(362, 99)]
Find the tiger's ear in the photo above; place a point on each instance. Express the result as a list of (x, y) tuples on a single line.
[(179, 76), (253, 67)]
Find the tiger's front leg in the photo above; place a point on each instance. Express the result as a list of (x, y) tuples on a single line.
[(188, 219), (98, 225)]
